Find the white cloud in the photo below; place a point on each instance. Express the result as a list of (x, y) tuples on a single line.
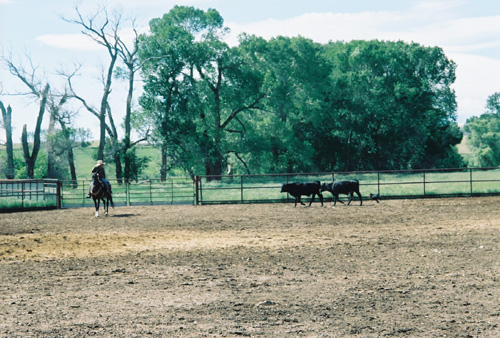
[(77, 42), (477, 78), (324, 27), (455, 34)]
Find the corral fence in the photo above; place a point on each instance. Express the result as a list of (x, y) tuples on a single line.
[(18, 195), (140, 192), (388, 184), (238, 189)]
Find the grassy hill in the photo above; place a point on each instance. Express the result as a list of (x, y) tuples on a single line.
[(84, 161), (84, 158)]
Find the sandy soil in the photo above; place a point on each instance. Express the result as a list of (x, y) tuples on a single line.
[(405, 268)]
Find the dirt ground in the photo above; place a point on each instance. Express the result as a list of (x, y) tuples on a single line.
[(403, 268)]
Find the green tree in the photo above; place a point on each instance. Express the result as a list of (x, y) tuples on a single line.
[(391, 106), (484, 134), (294, 76), (289, 104), (196, 87)]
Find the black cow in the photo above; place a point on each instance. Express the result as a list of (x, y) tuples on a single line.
[(343, 187), (299, 189)]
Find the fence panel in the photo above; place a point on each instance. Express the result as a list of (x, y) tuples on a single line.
[(141, 192), (485, 181), (389, 184), (28, 194)]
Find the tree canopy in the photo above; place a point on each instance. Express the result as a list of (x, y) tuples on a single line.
[(287, 104), (292, 105), (484, 134)]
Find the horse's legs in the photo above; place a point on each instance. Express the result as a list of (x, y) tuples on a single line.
[(97, 204), (106, 205)]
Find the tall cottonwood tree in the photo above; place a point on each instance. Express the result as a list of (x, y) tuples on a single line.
[(198, 85), (294, 76), (130, 58), (390, 105), (54, 107), (104, 31), (51, 102), (40, 91)]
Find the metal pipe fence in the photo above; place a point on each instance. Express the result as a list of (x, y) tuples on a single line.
[(238, 189), (388, 184), (29, 194), (140, 192)]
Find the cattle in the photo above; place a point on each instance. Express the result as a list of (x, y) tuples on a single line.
[(307, 189), (343, 187)]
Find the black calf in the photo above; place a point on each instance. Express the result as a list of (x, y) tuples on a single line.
[(343, 187), (299, 189)]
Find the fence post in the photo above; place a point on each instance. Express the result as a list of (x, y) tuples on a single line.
[(127, 192), (470, 179), (378, 183), (58, 194), (197, 189), (172, 191), (150, 192), (241, 188), (424, 183), (22, 194)]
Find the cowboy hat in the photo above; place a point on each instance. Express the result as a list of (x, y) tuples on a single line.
[(100, 162)]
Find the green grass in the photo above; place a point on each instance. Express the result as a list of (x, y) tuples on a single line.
[(13, 203), (84, 161)]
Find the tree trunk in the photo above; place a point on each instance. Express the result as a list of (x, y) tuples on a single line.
[(7, 123), (119, 169), (30, 160), (51, 167), (72, 169), (126, 140), (54, 110), (69, 153), (104, 107)]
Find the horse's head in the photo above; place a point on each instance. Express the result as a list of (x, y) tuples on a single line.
[(95, 179)]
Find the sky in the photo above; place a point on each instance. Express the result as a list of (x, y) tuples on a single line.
[(467, 30)]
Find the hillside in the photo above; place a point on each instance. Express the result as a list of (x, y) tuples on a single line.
[(84, 158)]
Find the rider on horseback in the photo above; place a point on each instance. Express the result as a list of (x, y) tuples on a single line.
[(101, 174)]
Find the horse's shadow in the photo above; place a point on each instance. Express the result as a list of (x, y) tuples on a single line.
[(123, 215)]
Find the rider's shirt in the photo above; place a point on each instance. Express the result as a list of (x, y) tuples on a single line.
[(100, 170)]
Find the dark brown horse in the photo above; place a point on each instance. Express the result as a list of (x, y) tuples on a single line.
[(99, 193)]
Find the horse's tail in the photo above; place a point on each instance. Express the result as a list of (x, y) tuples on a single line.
[(111, 201)]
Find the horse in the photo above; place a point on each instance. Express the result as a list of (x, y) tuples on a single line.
[(99, 193)]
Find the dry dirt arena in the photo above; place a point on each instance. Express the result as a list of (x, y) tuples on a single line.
[(401, 268)]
